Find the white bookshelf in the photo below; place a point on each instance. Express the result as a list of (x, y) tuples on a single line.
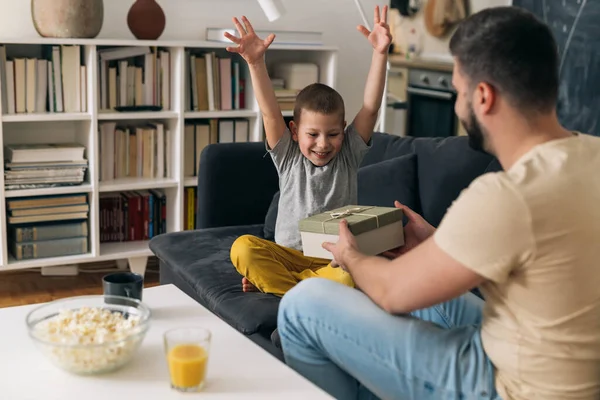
[(83, 128)]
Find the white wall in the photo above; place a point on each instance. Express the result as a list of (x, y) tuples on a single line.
[(187, 19)]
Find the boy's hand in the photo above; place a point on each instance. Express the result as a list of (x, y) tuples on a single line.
[(252, 49), (250, 46), (380, 37)]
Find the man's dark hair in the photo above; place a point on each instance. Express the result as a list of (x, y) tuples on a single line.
[(509, 48), (319, 98)]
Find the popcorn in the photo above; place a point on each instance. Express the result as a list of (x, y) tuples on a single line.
[(89, 339)]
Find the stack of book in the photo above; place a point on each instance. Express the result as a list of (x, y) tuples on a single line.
[(213, 83), (47, 226), (30, 166), (134, 151), (54, 83), (199, 134), (132, 216), (278, 83), (134, 76), (286, 98)]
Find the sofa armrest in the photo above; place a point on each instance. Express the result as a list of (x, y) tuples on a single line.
[(236, 183)]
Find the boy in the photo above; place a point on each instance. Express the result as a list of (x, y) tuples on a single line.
[(317, 160)]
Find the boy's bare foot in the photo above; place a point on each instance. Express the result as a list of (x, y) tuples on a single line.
[(247, 286)]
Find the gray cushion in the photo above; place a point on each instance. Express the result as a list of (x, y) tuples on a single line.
[(445, 167), (385, 147), (271, 218), (395, 179)]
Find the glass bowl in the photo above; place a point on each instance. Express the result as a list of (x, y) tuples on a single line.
[(88, 335)]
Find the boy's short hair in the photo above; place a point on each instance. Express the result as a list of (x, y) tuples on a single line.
[(319, 98)]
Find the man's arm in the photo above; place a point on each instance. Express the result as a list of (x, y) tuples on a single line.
[(485, 235), (419, 279), (381, 38), (253, 49)]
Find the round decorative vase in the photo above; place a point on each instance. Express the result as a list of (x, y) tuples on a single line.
[(67, 18), (146, 20)]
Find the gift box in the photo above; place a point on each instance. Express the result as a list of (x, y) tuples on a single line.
[(376, 229)]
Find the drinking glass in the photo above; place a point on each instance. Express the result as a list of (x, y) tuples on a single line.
[(186, 350)]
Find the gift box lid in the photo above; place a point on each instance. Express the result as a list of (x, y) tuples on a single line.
[(360, 219)]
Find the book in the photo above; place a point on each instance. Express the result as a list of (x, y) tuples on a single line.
[(49, 248), (117, 53), (132, 216), (46, 201), (43, 152), (47, 231), (281, 37), (49, 217), (49, 210)]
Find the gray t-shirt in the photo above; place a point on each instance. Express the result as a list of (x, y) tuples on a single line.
[(306, 189)]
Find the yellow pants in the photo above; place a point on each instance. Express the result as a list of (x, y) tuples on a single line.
[(276, 269)]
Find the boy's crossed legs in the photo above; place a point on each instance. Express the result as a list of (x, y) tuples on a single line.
[(271, 268)]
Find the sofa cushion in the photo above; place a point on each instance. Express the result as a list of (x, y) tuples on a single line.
[(228, 171), (385, 147), (445, 167), (271, 218), (201, 258), (395, 179)]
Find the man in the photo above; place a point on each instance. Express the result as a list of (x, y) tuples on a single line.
[(529, 237)]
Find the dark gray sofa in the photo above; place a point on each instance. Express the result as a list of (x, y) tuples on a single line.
[(237, 194)]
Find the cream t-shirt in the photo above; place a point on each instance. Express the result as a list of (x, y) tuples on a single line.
[(534, 233)]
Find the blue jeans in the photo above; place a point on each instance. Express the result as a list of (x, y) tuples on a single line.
[(339, 339)]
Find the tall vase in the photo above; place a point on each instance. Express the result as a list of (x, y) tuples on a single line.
[(67, 18), (146, 20)]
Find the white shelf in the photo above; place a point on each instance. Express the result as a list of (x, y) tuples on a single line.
[(108, 252), (125, 184), (114, 251), (46, 262), (84, 128), (221, 114), (287, 113), (84, 188), (46, 117), (141, 115), (190, 181), (159, 43)]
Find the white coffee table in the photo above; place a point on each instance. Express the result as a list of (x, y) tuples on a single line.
[(238, 368)]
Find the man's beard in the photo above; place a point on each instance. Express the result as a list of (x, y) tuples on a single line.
[(477, 136)]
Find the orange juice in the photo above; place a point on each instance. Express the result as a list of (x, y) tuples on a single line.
[(187, 365)]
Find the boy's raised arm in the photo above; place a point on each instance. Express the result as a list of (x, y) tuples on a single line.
[(380, 38), (252, 49)]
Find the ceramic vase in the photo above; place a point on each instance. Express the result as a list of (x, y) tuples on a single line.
[(146, 20), (67, 18)]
